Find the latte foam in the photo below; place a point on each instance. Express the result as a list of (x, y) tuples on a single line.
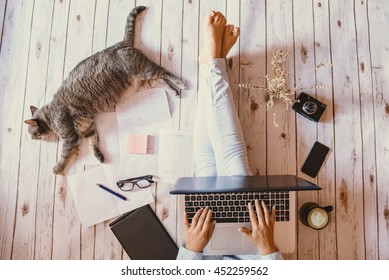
[(317, 218)]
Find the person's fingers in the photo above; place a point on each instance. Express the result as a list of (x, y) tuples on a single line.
[(201, 220), (207, 221), (273, 216), (245, 231), (186, 222), (195, 218), (211, 229), (266, 213), (253, 217), (259, 213)]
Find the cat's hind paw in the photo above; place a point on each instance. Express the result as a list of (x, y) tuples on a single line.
[(58, 170), (99, 155)]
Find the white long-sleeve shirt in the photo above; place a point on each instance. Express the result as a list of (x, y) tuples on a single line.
[(185, 254)]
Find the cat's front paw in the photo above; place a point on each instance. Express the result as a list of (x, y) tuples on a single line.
[(181, 84), (58, 170)]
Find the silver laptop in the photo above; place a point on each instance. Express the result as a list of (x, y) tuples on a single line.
[(228, 196)]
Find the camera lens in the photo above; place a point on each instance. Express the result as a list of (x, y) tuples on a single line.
[(310, 107)]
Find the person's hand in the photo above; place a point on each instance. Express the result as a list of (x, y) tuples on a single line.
[(199, 232), (262, 233)]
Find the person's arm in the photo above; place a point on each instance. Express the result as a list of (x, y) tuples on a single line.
[(198, 234), (273, 256), (262, 233), (185, 254)]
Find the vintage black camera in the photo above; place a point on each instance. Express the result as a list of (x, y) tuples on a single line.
[(309, 107)]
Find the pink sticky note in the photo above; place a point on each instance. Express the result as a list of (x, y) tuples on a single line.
[(137, 144)]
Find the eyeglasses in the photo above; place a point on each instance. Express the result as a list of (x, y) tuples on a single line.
[(141, 182)]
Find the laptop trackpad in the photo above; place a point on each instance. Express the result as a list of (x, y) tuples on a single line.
[(227, 238)]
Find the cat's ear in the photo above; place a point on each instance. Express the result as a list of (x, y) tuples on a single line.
[(32, 122), (33, 109)]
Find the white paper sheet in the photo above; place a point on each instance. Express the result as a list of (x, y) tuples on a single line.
[(95, 205), (143, 112), (175, 155)]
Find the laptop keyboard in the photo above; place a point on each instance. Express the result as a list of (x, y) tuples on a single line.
[(232, 207)]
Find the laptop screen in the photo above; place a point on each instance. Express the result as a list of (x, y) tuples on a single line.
[(221, 184)]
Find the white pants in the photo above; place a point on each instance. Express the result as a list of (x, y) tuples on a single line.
[(218, 144)]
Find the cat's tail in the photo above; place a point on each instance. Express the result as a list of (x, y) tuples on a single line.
[(130, 25)]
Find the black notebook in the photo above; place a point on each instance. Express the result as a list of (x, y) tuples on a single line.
[(143, 236)]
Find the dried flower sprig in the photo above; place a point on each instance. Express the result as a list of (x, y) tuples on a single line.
[(321, 64), (277, 87)]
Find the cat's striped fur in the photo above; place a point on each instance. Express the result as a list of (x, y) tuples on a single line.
[(94, 86)]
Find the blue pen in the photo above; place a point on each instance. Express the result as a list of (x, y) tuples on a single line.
[(112, 192)]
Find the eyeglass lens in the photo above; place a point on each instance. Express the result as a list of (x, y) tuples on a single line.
[(143, 183)]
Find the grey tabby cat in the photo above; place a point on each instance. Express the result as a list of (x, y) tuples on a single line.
[(95, 86)]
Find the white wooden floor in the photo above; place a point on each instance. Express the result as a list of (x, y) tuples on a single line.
[(41, 41)]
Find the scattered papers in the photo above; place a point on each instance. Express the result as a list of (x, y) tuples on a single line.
[(143, 112), (133, 146), (175, 155), (95, 205)]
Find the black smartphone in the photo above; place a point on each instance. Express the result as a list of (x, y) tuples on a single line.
[(315, 159)]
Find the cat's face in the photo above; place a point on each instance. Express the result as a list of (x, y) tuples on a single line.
[(37, 128)]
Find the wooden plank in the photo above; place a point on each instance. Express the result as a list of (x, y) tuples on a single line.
[(48, 150), (148, 30), (3, 6), (326, 177), (85, 159), (281, 140), (106, 244), (306, 130), (94, 243), (368, 130), (13, 59), (190, 49), (252, 67), (378, 15), (67, 232), (101, 25), (348, 141), (34, 227), (171, 47), (118, 12)]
